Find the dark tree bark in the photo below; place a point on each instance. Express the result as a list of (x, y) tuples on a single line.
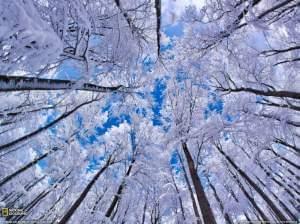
[(97, 201), (231, 192), (145, 209), (270, 203), (288, 170), (48, 212), (248, 196), (190, 190), (32, 204), (293, 147), (158, 24), (207, 213), (155, 214), (82, 196), (178, 196), (292, 185), (273, 93), (13, 197), (272, 104), (226, 216), (20, 83), (117, 196), (38, 131), (247, 217), (279, 183), (284, 159), (282, 204), (26, 167), (38, 199)]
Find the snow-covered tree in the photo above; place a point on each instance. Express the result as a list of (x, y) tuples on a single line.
[(106, 116)]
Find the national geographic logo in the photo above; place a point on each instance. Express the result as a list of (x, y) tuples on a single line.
[(5, 212)]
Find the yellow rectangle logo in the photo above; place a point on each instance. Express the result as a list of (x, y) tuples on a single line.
[(5, 212)]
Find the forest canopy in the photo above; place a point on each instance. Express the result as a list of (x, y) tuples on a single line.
[(150, 111)]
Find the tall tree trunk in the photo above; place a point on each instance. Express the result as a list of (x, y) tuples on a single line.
[(119, 192), (158, 23), (178, 195), (21, 83), (281, 203), (293, 147), (155, 214), (226, 216), (288, 170), (41, 129), (231, 192), (293, 186), (97, 201), (273, 93), (12, 198), (247, 217), (39, 198), (32, 204), (291, 163), (190, 190), (207, 213), (248, 196), (48, 212), (270, 174), (275, 117), (270, 203), (145, 209), (82, 196), (26, 167)]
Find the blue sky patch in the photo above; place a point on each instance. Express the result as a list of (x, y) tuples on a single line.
[(174, 30), (158, 97)]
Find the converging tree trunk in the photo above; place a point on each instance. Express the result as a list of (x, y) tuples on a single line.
[(226, 216), (26, 167), (39, 198), (117, 196), (273, 93), (270, 203), (249, 197), (186, 178), (158, 24), (178, 195), (207, 213), (20, 83), (43, 128), (84, 193)]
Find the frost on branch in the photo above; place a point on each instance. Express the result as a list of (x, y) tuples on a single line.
[(23, 36)]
